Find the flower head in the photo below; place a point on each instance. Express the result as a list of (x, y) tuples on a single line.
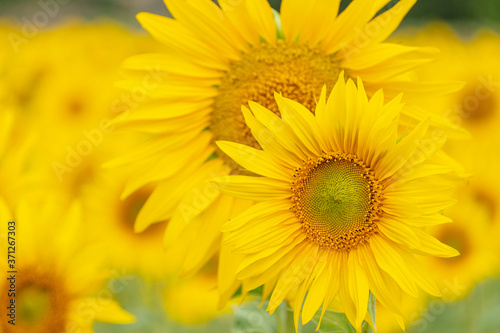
[(221, 57), (59, 276), (343, 200)]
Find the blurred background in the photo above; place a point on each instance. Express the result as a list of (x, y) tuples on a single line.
[(74, 36), (457, 12)]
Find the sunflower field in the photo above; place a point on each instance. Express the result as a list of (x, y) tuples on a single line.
[(249, 166)]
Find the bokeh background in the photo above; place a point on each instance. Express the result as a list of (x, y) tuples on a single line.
[(457, 12), (170, 304)]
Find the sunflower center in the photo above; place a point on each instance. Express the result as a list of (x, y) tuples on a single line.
[(477, 109), (130, 208), (488, 201), (337, 199), (296, 71), (41, 302), (34, 305)]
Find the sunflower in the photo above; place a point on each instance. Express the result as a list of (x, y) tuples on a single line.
[(477, 108), (470, 60), (194, 301), (60, 80), (59, 280), (343, 201), (471, 234), (219, 58), (19, 175), (113, 221)]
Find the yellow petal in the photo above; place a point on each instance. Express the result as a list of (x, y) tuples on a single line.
[(263, 19), (260, 210), (171, 33), (293, 275), (347, 24), (398, 156), (422, 278), (163, 203), (388, 21), (399, 232), (373, 55), (253, 188), (431, 246), (358, 287), (236, 12), (391, 262), (269, 142), (320, 288), (401, 208), (169, 63), (281, 130), (257, 161), (205, 20), (111, 312), (378, 284), (302, 122), (209, 236), (163, 166)]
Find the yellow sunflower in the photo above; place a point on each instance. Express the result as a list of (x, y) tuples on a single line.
[(59, 281), (113, 220), (471, 60), (19, 174), (220, 57), (61, 88), (471, 234), (194, 301), (477, 107), (343, 203)]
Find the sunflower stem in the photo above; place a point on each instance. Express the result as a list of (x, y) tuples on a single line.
[(281, 315), (284, 320), (371, 312)]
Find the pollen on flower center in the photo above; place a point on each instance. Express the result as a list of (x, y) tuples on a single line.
[(41, 302), (296, 71), (337, 199)]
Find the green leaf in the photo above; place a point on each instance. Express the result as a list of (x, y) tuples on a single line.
[(333, 322), (250, 319), (277, 20), (401, 137), (372, 312), (478, 312)]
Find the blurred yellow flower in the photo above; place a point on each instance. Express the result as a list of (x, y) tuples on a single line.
[(110, 221), (471, 235), (19, 176), (343, 203), (193, 301), (61, 86), (471, 60), (59, 280), (477, 107), (222, 57)]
